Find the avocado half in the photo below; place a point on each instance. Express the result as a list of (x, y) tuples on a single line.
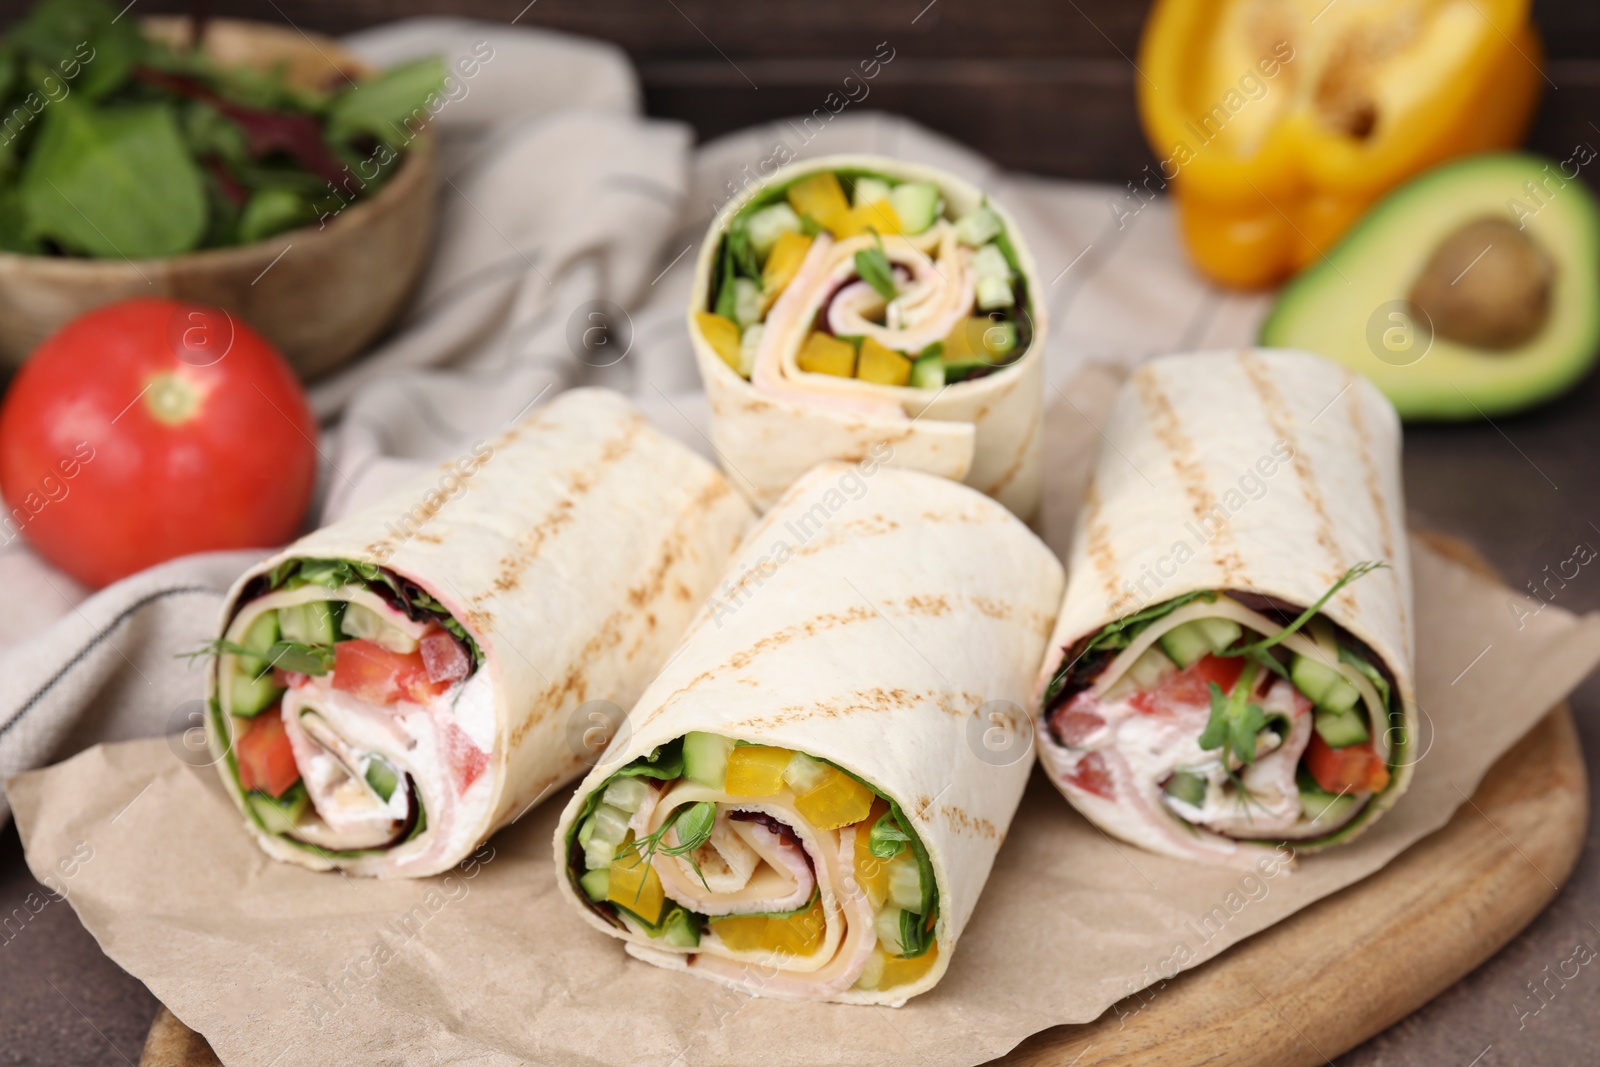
[(1472, 290)]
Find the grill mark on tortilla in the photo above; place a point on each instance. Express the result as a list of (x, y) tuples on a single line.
[(1370, 475), (610, 633), (1097, 539), (775, 640), (778, 638), (995, 609), (872, 699), (849, 530), (515, 565), (1282, 422), (923, 605), (998, 486), (384, 549), (969, 516), (962, 822), (480, 621), (1185, 463)]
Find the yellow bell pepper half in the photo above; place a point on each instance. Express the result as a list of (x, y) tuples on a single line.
[(1277, 124)]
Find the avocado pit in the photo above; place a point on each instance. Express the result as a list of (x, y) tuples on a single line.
[(1487, 285)]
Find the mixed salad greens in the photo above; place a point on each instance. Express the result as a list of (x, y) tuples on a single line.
[(115, 145), (614, 866), (1224, 652), (916, 298), (370, 658)]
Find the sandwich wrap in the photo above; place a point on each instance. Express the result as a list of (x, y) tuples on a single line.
[(978, 420), (393, 687), (813, 791), (1191, 701)]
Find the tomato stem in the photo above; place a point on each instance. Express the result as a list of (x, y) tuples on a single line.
[(171, 398)]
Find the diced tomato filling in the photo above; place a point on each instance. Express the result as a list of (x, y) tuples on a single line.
[(1092, 775), (290, 679), (1076, 725), (1352, 769), (266, 760), (1190, 687), (466, 759), (373, 673), (443, 656)]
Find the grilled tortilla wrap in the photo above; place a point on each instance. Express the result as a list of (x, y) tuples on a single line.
[(1187, 704), (813, 792), (393, 687), (772, 277)]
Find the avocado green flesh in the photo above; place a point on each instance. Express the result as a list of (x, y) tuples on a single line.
[(1327, 309)]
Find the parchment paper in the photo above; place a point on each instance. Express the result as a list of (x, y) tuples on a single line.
[(277, 965)]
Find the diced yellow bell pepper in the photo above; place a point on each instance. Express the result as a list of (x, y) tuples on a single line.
[(798, 935), (723, 336), (634, 883), (879, 215), (897, 971), (872, 872), (783, 263), (742, 933), (970, 340), (820, 196), (882, 364), (838, 800), (826, 354), (756, 770)]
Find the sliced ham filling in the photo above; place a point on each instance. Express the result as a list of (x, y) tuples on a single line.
[(749, 867), (837, 966), (939, 290)]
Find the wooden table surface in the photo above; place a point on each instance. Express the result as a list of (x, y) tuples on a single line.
[(1041, 85)]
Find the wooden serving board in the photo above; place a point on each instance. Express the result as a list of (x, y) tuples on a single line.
[(1388, 944)]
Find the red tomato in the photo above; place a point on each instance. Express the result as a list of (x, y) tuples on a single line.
[(266, 761), (1191, 687), (1353, 769), (467, 760), (373, 673), (444, 657), (1075, 725), (1093, 776), (151, 429)]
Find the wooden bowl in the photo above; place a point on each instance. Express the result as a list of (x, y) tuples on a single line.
[(320, 293)]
